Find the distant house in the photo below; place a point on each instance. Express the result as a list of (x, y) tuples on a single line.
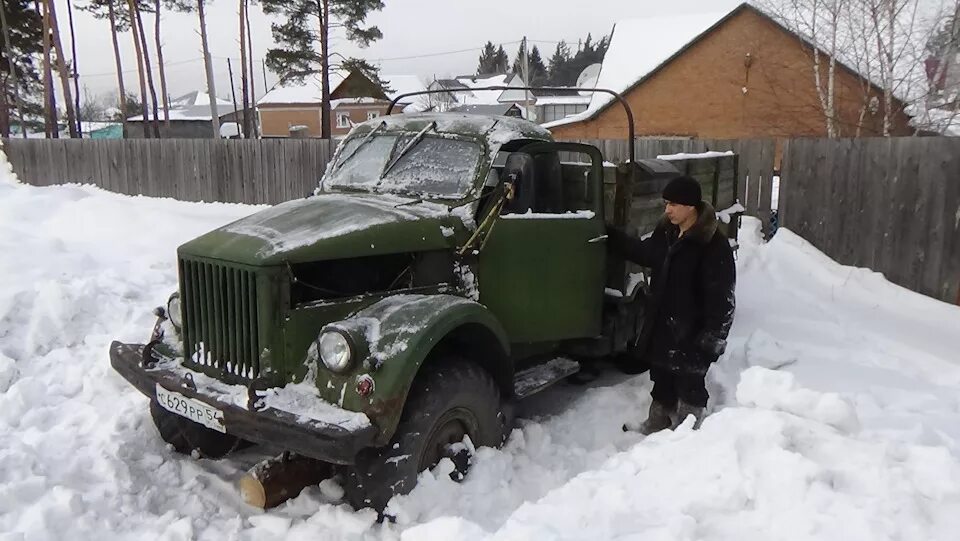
[(463, 91), (550, 108), (732, 75), (189, 118), (295, 110)]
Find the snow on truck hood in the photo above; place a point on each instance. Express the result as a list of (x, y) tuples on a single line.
[(329, 226)]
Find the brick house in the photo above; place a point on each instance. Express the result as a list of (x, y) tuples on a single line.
[(734, 75), (294, 110)]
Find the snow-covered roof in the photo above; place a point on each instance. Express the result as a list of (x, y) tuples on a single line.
[(563, 100), (195, 99), (355, 101), (307, 92), (404, 84), (489, 97), (637, 48), (192, 106), (944, 121)]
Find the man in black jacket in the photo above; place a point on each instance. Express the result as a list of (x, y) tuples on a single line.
[(691, 306)]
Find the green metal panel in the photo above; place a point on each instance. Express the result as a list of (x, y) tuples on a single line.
[(408, 326), (543, 278), (222, 332), (324, 227)]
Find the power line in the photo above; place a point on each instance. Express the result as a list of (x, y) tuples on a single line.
[(410, 57), (430, 55)]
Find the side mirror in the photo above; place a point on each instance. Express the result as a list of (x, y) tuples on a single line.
[(518, 178)]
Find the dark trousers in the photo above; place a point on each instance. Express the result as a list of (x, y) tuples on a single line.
[(669, 386)]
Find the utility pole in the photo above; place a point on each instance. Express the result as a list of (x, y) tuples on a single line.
[(233, 92), (263, 64), (526, 80), (76, 70)]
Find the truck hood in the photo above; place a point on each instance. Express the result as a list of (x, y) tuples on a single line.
[(330, 226)]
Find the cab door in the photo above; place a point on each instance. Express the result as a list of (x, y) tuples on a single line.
[(543, 275)]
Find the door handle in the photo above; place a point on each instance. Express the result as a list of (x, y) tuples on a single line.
[(595, 240)]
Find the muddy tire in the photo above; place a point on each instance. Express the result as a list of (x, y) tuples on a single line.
[(453, 398), (187, 436)]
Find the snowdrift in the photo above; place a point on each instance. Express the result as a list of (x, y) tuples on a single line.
[(836, 410)]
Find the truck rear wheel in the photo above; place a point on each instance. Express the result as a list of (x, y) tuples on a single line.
[(187, 436), (452, 399)]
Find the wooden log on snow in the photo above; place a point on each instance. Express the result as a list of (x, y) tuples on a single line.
[(276, 480)]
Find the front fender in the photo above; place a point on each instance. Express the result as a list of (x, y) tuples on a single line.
[(400, 332)]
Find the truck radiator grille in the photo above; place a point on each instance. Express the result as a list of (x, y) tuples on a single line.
[(219, 306)]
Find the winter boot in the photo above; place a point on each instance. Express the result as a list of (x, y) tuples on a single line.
[(659, 418), (683, 410)]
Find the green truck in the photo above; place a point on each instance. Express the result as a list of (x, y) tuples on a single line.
[(448, 266)]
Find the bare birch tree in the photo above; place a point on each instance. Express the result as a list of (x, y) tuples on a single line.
[(819, 22)]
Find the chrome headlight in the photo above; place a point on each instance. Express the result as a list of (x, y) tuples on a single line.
[(335, 350), (174, 312)]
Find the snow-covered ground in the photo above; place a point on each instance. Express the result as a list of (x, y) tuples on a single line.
[(836, 410)]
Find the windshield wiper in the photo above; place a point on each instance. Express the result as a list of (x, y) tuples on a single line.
[(367, 138), (413, 142)]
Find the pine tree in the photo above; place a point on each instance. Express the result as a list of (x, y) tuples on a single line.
[(488, 59), (306, 28), (538, 71), (20, 78), (558, 63), (501, 61)]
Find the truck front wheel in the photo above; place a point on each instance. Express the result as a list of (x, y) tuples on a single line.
[(453, 398)]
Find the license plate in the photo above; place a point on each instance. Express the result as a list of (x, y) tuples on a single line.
[(194, 410)]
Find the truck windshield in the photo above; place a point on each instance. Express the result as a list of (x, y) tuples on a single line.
[(434, 166)]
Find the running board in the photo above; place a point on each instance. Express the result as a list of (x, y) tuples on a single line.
[(538, 378)]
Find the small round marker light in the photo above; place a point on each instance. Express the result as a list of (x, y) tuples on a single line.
[(365, 386)]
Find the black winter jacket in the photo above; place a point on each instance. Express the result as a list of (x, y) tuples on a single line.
[(692, 299)]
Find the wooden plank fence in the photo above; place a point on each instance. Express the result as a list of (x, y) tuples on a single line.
[(257, 171), (891, 205), (276, 170)]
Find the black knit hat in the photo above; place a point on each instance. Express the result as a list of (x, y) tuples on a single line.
[(683, 191)]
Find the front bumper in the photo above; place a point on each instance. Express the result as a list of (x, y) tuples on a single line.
[(308, 437)]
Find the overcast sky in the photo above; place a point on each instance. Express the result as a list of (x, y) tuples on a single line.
[(410, 28)]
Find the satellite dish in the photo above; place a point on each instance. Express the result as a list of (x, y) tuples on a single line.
[(589, 76)]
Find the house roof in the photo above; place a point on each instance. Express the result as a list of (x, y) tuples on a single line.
[(404, 84), (491, 97), (638, 48), (194, 106), (451, 84), (309, 91), (575, 99), (662, 39)]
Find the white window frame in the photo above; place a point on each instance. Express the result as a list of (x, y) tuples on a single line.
[(343, 120), (373, 114)]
